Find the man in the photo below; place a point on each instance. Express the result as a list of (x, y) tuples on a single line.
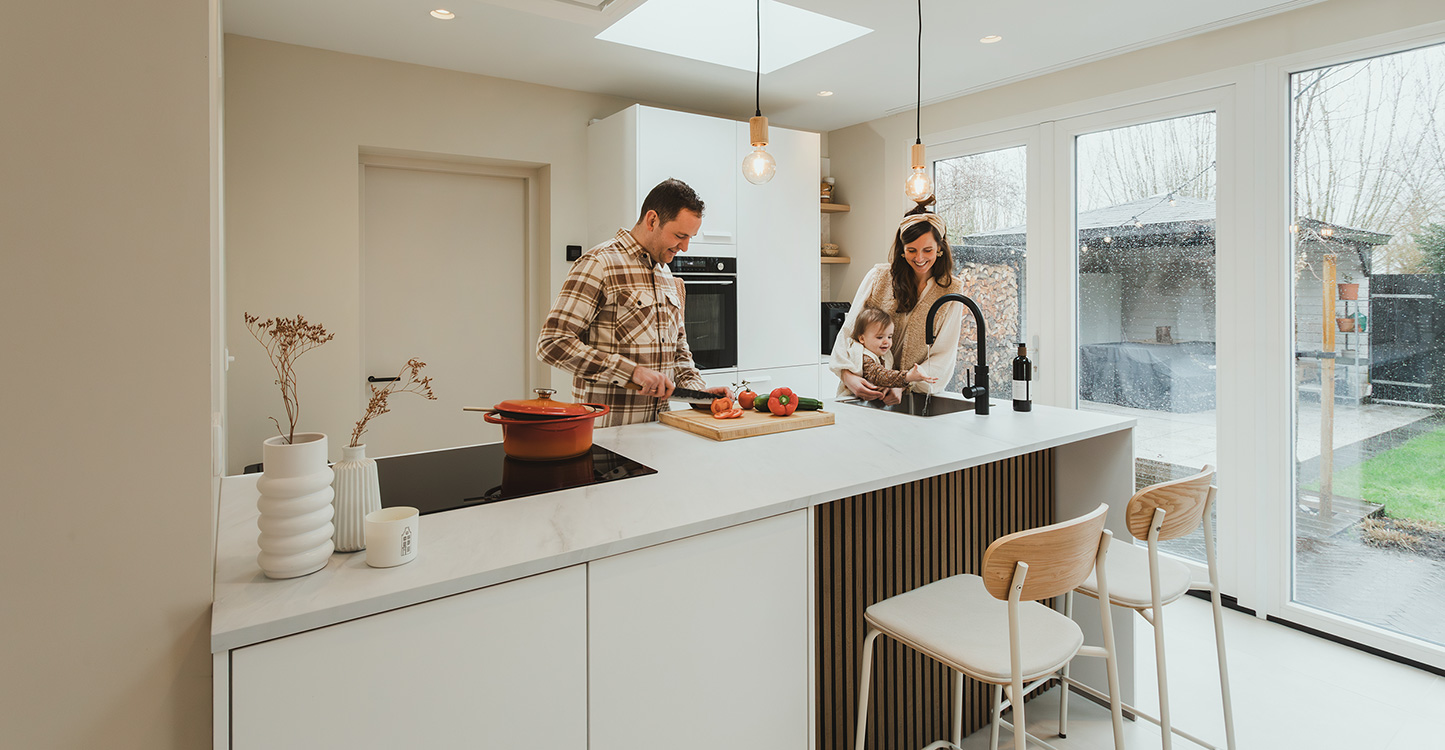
[(618, 318)]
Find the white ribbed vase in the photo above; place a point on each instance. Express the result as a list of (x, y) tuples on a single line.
[(295, 506), (358, 492)]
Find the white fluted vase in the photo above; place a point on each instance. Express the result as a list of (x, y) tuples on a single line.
[(358, 492), (295, 506)]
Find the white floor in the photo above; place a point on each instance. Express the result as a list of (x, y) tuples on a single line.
[(1290, 690)]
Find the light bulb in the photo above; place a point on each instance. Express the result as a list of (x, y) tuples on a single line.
[(759, 166), (919, 185)]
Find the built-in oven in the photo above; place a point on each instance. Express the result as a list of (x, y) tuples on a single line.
[(710, 316)]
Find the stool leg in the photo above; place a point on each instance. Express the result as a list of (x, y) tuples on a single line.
[(1064, 686), (957, 707), (1165, 727), (863, 689), (1016, 700), (997, 717), (1218, 606)]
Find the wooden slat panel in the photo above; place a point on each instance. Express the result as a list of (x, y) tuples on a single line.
[(882, 543)]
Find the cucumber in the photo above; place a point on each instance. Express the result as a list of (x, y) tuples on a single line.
[(761, 403), (809, 404)]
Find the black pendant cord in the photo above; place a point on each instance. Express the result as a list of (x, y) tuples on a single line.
[(918, 108), (758, 91)]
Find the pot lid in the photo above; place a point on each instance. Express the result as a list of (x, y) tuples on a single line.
[(543, 406)]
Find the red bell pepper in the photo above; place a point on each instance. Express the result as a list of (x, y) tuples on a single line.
[(782, 402)]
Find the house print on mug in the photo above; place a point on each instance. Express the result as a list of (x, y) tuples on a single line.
[(406, 542)]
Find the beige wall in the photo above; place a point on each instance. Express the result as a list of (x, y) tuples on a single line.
[(296, 119), (105, 550), (870, 160)]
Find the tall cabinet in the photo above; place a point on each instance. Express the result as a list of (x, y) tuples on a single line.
[(772, 229)]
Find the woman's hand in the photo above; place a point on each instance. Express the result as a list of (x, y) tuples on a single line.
[(893, 396), (860, 387)]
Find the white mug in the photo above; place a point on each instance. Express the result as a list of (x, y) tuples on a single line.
[(391, 536)]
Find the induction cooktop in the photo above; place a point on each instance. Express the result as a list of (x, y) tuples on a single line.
[(479, 474)]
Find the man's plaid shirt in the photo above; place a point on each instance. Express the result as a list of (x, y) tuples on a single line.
[(617, 310)]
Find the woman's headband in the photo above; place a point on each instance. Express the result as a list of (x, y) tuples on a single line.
[(931, 218)]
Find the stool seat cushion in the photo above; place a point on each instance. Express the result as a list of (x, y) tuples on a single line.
[(957, 622), (1128, 568)]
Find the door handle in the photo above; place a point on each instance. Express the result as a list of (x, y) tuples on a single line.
[(375, 379), (711, 283)]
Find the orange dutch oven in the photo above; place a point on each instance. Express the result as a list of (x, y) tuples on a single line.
[(541, 429)]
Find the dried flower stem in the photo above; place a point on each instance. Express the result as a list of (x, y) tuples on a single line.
[(286, 339), (409, 380)]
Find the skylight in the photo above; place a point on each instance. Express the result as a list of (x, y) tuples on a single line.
[(723, 32)]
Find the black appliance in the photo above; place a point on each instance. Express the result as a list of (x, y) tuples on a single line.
[(711, 314), (442, 480), (834, 313)]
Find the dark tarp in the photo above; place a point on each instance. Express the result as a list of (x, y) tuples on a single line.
[(1160, 377)]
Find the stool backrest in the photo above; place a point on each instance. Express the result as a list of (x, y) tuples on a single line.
[(1183, 502), (1059, 557)]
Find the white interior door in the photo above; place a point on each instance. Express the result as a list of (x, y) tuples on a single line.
[(443, 280)]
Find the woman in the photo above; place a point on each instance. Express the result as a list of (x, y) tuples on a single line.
[(919, 272)]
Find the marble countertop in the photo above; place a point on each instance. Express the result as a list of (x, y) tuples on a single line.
[(697, 489)]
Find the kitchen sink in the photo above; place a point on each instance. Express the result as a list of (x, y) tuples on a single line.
[(916, 404)]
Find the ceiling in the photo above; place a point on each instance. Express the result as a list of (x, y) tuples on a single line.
[(551, 42)]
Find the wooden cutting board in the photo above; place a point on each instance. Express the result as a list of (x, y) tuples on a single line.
[(752, 423)]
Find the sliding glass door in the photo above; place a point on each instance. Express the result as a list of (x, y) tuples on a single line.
[(1367, 233), (1145, 243)]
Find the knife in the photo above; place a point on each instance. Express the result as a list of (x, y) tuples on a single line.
[(686, 395)]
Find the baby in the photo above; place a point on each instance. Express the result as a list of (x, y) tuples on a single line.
[(874, 330)]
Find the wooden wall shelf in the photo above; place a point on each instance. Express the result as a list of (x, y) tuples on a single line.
[(835, 208), (834, 259)]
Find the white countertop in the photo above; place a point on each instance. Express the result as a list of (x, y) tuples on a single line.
[(700, 486)]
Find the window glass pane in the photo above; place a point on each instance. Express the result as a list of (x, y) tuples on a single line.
[(1146, 292), (1369, 330), (984, 199)]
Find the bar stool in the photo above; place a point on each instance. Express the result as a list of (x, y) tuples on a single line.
[(993, 629), (1143, 581)]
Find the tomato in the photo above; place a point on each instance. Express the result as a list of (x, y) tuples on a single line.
[(720, 405), (745, 398), (733, 414)]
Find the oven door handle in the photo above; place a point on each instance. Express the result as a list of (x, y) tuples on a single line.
[(714, 283)]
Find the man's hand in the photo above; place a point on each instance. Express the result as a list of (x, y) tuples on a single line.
[(860, 387), (893, 396), (653, 382), (719, 392)]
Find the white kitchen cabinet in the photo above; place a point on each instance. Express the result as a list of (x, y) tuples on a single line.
[(778, 288), (703, 642), (633, 150), (803, 379), (501, 667)]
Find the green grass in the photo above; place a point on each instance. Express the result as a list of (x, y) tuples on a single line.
[(1409, 479)]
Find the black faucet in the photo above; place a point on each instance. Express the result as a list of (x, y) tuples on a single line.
[(979, 392)]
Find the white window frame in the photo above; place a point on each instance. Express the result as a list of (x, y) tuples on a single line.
[(1254, 296), (1272, 176), (1030, 139)]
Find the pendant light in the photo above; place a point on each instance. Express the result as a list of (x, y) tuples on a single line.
[(758, 167), (919, 186)]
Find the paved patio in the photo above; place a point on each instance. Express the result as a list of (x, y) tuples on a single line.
[(1335, 570)]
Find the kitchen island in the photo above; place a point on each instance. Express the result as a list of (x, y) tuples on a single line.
[(683, 605)]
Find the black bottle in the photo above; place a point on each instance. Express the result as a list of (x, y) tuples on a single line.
[(1023, 380)]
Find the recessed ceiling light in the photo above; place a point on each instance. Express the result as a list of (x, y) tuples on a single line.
[(443, 14), (825, 93), (991, 38), (790, 34)]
